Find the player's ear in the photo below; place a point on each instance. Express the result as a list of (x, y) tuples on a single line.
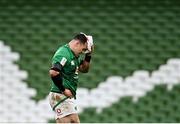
[(76, 42)]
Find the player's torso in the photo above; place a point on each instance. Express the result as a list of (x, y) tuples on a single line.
[(70, 68)]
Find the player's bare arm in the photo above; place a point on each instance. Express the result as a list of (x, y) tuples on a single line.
[(84, 67), (57, 79)]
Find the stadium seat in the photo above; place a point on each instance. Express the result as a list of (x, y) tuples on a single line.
[(128, 36)]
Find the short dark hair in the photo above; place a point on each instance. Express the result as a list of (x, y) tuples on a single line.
[(81, 37)]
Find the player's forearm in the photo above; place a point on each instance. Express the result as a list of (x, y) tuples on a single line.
[(56, 76), (86, 63), (84, 68), (57, 79)]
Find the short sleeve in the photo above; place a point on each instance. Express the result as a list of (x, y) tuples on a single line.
[(61, 59), (61, 56)]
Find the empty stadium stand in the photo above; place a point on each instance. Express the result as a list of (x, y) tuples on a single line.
[(129, 36)]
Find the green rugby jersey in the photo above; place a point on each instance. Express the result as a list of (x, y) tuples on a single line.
[(70, 64)]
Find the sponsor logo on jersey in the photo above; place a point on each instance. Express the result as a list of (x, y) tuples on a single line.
[(63, 61)]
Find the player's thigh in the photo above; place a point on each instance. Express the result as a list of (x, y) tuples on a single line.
[(74, 118), (66, 119)]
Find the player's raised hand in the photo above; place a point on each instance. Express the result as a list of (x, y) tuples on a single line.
[(90, 43)]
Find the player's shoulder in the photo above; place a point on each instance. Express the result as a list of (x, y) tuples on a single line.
[(63, 51), (63, 48)]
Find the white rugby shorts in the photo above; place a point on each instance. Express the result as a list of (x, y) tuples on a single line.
[(64, 108)]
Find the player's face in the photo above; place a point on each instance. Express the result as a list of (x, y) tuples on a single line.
[(82, 48)]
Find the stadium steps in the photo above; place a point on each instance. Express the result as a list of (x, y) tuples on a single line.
[(128, 36)]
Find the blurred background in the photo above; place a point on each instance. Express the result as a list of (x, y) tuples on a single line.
[(135, 71)]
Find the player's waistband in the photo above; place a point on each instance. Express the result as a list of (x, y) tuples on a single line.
[(54, 91)]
